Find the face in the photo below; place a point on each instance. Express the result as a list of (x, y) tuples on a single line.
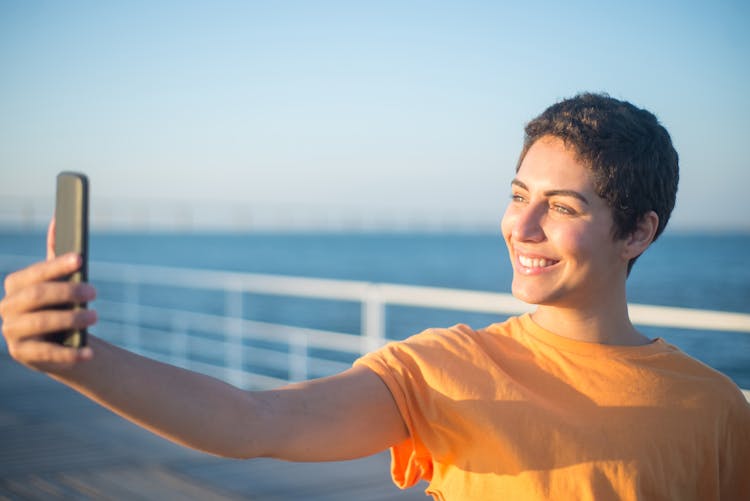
[(559, 232)]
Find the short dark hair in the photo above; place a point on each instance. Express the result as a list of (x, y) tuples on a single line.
[(635, 168)]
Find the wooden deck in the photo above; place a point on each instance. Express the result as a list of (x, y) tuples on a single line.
[(55, 444)]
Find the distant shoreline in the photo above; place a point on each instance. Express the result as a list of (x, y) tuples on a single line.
[(384, 231)]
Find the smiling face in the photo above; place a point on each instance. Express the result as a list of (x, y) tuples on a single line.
[(559, 233)]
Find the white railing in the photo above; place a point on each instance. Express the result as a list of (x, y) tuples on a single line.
[(257, 354), (131, 318)]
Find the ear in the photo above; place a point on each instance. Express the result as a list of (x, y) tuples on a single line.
[(638, 241)]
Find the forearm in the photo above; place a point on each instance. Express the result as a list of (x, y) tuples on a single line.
[(186, 407)]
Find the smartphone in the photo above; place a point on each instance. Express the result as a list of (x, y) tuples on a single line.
[(72, 235)]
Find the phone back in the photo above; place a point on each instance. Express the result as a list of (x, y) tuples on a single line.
[(71, 235)]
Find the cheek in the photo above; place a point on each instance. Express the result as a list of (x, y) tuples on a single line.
[(592, 249), (573, 241)]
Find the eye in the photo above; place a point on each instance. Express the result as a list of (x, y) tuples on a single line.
[(516, 197), (563, 209)]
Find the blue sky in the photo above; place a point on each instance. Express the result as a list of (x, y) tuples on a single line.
[(404, 107)]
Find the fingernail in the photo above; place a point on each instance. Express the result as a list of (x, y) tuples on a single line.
[(72, 258), (85, 353), (86, 293)]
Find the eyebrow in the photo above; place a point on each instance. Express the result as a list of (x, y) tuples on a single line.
[(553, 193)]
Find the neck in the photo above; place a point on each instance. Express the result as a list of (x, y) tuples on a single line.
[(605, 324)]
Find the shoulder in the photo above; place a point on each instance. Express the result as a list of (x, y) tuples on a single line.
[(457, 339), (703, 385), (459, 349)]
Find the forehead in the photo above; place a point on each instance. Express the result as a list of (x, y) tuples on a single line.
[(550, 164)]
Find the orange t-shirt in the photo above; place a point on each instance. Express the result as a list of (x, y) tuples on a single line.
[(516, 412)]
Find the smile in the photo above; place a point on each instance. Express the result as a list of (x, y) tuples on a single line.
[(535, 262)]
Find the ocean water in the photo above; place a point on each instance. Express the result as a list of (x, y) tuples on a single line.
[(706, 271)]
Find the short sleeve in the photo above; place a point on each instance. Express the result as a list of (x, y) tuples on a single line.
[(410, 459), (736, 458)]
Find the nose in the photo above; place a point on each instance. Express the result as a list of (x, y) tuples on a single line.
[(527, 223)]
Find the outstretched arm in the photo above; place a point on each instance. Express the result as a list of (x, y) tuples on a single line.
[(340, 417)]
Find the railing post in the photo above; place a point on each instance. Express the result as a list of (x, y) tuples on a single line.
[(179, 343), (234, 349), (131, 314), (298, 357), (373, 320)]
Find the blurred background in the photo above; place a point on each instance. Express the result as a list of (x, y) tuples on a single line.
[(387, 115), (369, 141)]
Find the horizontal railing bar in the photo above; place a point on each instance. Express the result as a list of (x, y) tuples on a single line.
[(214, 346), (419, 296), (343, 290), (263, 357), (320, 339), (405, 295), (259, 357), (252, 329), (259, 380), (320, 368), (451, 299), (688, 318)]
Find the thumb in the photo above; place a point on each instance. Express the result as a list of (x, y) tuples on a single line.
[(51, 239)]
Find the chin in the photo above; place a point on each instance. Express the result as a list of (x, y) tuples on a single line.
[(528, 296), (536, 294)]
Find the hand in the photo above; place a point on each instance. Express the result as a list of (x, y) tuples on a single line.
[(27, 316)]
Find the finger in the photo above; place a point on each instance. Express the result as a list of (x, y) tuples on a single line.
[(51, 239), (46, 295), (39, 323), (42, 272), (47, 356)]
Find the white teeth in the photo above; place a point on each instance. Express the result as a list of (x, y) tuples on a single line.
[(529, 262)]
